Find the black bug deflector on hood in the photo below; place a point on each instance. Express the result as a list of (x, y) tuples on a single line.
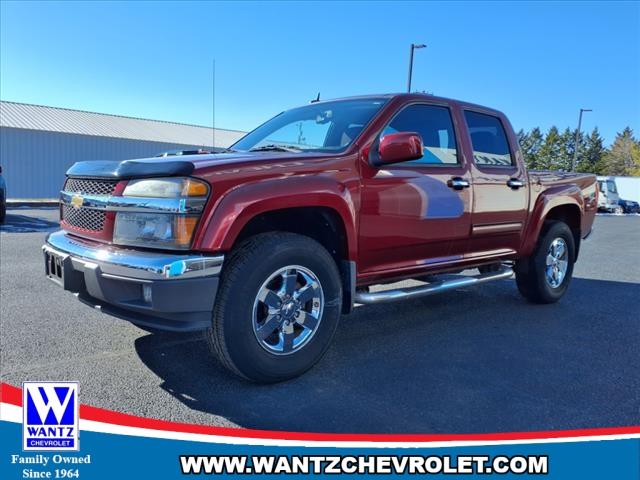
[(127, 169)]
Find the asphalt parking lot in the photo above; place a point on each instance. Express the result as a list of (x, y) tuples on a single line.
[(473, 360)]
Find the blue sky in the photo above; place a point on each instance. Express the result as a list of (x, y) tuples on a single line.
[(538, 62)]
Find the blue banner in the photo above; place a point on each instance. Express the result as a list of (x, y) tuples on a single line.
[(105, 455)]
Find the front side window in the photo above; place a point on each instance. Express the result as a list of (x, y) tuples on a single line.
[(320, 127), (434, 125), (489, 140), (611, 186)]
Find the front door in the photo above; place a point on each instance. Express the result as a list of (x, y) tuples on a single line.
[(412, 216)]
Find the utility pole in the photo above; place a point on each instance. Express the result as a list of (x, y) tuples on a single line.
[(413, 47), (577, 144), (213, 106)]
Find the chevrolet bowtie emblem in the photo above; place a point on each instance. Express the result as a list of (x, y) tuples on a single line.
[(77, 201)]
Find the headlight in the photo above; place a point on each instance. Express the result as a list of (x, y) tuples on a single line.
[(166, 188), (154, 230), (159, 212)]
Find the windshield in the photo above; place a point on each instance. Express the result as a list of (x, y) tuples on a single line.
[(321, 127)]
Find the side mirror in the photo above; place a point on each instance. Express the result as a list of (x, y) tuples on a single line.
[(399, 147)]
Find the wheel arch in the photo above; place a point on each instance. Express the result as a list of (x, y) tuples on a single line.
[(559, 205), (236, 208), (316, 207)]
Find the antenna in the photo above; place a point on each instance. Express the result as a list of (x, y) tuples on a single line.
[(213, 106), (317, 99)]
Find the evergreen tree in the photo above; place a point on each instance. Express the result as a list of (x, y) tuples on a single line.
[(590, 156), (623, 158), (551, 151), (568, 139), (635, 169), (530, 144)]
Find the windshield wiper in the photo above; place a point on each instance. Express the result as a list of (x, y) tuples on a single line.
[(272, 147)]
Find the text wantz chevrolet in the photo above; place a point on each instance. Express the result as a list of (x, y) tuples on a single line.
[(266, 244)]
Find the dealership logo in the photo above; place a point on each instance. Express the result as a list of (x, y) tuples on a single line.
[(77, 201), (50, 416)]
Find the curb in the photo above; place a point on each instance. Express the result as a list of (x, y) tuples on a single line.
[(32, 203)]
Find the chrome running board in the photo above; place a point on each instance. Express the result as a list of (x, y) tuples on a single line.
[(430, 288)]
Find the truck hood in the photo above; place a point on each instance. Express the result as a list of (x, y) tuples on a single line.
[(172, 166)]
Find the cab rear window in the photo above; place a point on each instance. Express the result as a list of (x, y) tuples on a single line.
[(489, 140)]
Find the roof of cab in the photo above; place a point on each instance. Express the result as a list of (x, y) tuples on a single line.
[(413, 96)]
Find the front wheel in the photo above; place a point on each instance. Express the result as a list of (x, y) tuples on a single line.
[(545, 276), (277, 307)]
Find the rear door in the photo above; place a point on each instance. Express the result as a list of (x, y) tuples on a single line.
[(500, 185), (410, 217)]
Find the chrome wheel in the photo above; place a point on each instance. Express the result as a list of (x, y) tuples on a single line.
[(557, 262), (287, 310)]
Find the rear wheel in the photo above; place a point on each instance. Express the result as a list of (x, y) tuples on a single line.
[(277, 307), (545, 276)]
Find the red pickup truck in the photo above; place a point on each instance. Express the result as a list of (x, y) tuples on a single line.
[(266, 244)]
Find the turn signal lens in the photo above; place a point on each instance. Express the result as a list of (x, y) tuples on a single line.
[(194, 188), (184, 229)]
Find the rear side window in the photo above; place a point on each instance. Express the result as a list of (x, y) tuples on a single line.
[(489, 140), (434, 125)]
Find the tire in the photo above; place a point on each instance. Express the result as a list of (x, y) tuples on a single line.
[(618, 210), (3, 211), (260, 264), (534, 279)]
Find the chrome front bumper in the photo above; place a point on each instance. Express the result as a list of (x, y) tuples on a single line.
[(170, 291), (133, 263)]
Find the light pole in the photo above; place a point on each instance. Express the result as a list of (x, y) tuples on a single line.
[(577, 145), (413, 47)]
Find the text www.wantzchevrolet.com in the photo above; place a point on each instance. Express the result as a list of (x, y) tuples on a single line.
[(364, 464)]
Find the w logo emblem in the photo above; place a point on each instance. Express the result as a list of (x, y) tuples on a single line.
[(50, 405), (50, 415)]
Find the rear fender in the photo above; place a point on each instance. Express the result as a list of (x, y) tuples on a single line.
[(549, 199)]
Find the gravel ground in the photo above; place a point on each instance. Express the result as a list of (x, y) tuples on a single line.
[(472, 360)]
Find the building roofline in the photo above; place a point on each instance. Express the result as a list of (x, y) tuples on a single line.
[(118, 116), (110, 137)]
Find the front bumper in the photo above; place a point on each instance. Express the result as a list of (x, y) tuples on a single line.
[(166, 291)]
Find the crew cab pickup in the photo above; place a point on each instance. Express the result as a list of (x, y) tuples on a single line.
[(266, 244)]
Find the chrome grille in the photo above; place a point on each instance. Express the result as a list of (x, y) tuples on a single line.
[(89, 186), (85, 218)]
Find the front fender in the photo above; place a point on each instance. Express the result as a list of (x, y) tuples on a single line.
[(549, 199), (237, 207)]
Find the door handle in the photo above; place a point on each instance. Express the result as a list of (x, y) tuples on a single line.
[(458, 183), (515, 183)]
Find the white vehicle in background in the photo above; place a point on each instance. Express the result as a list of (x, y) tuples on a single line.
[(608, 200)]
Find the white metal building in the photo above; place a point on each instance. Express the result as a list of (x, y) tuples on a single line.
[(38, 144)]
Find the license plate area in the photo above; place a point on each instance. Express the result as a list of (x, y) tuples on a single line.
[(53, 265)]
